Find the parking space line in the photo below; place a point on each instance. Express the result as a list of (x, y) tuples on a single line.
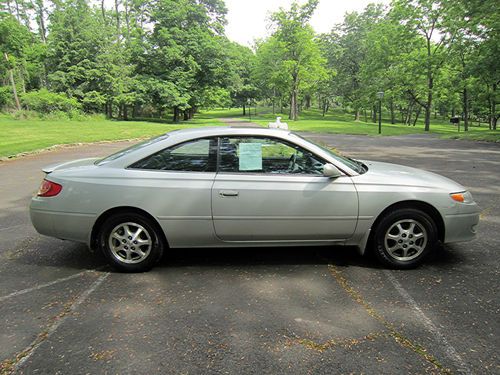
[(42, 337), (396, 334), (41, 286), (431, 327)]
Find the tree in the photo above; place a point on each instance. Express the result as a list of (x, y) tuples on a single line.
[(346, 49), (185, 54), (296, 49), (14, 39), (427, 19)]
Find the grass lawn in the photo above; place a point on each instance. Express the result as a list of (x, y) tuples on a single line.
[(340, 123), (30, 135)]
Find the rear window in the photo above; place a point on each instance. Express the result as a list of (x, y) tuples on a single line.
[(130, 149)]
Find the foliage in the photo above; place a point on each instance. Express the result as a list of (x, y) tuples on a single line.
[(433, 59), (44, 101)]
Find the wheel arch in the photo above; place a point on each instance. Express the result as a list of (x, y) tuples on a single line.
[(415, 204), (94, 235)]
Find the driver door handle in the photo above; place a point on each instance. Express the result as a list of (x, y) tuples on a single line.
[(228, 193)]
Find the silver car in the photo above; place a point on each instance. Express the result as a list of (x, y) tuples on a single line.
[(243, 187)]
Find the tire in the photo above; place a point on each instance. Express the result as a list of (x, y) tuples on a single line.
[(131, 242), (404, 237)]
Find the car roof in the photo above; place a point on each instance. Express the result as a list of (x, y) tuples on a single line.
[(227, 130)]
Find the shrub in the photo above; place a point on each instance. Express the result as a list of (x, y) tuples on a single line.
[(45, 102), (6, 98)]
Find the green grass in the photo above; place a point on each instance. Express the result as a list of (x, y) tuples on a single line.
[(341, 123), (30, 135)]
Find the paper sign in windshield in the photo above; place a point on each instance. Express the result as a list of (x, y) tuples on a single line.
[(250, 156)]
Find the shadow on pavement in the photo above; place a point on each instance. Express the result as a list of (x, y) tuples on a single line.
[(47, 252)]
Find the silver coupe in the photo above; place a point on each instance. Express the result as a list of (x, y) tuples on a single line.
[(244, 187)]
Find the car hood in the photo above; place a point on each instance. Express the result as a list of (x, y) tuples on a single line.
[(394, 174), (69, 164)]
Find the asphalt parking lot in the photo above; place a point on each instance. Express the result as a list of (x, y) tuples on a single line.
[(254, 311)]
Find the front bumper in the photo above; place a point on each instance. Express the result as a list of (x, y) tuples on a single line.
[(460, 227)]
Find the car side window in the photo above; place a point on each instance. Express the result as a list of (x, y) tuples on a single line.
[(266, 155), (194, 156)]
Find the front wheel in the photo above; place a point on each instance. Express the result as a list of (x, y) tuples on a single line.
[(130, 242), (404, 237)]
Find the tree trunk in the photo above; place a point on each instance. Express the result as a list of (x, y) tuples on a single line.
[(41, 21), (393, 116), (374, 114), (117, 14), (125, 112), (12, 82), (127, 19), (411, 104), (466, 109), (186, 115), (493, 114), (430, 86), (308, 101), (110, 109), (294, 112), (9, 8), (244, 110), (293, 106), (356, 115), (103, 10), (176, 114), (417, 115)]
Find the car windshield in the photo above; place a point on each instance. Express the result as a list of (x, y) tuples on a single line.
[(130, 149), (355, 165)]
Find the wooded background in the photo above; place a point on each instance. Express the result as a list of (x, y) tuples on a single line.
[(169, 58)]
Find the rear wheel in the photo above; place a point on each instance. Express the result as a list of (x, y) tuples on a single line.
[(404, 237), (131, 242)]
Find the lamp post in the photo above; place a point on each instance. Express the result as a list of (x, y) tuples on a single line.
[(380, 96)]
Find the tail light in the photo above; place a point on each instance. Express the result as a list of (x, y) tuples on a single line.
[(49, 189)]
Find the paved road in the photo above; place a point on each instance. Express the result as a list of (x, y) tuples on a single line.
[(300, 311)]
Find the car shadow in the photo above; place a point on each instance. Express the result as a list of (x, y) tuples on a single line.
[(57, 253), (236, 257)]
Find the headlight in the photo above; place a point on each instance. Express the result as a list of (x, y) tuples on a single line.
[(462, 197)]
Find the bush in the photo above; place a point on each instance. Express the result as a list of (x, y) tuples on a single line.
[(6, 98), (75, 115), (46, 102)]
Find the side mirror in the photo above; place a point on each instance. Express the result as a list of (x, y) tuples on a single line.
[(331, 171)]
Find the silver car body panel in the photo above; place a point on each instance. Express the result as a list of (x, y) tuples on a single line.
[(194, 209)]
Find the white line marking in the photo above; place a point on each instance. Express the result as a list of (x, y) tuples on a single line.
[(41, 286), (35, 344), (431, 327)]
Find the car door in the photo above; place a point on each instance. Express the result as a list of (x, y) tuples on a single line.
[(267, 189), (175, 186)]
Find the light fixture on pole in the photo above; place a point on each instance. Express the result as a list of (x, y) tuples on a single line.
[(380, 96)]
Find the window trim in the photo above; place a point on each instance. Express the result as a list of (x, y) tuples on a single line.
[(286, 142), (210, 151)]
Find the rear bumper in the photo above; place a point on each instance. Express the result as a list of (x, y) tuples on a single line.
[(461, 227), (64, 225)]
